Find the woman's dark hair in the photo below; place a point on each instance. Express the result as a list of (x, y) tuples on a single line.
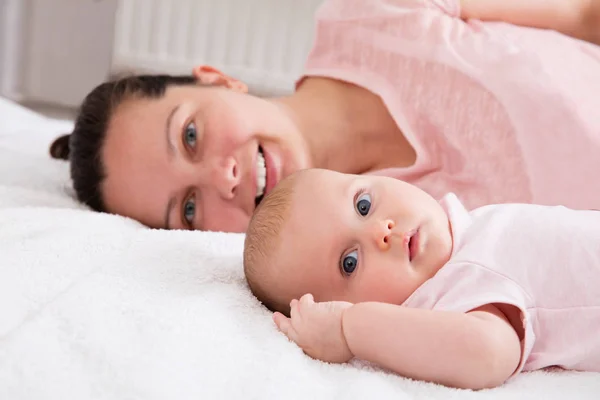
[(83, 147)]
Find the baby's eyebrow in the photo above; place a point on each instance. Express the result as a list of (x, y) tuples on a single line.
[(336, 253)]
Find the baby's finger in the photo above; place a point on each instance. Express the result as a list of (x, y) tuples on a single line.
[(307, 299), (279, 318), (294, 314), (292, 334), (284, 324)]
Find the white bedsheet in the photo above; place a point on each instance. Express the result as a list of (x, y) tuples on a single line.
[(97, 307)]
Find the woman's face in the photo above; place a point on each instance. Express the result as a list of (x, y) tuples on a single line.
[(198, 157)]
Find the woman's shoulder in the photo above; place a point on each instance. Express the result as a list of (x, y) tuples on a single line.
[(364, 41)]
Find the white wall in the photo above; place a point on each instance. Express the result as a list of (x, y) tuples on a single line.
[(55, 51), (69, 48), (12, 31)]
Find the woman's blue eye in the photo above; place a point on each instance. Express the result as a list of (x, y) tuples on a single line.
[(189, 210), (190, 135), (363, 204), (349, 263)]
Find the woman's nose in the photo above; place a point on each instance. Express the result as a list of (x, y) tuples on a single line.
[(382, 233), (228, 178)]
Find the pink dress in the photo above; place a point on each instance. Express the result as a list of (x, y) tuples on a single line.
[(496, 113), (543, 260)]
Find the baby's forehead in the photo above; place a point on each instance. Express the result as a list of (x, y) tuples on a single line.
[(312, 213), (304, 237), (313, 205)]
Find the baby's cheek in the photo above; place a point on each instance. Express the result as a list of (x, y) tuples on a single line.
[(393, 289)]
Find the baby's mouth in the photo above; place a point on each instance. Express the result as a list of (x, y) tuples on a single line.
[(261, 177), (413, 244)]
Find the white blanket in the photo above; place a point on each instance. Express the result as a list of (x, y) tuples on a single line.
[(97, 307)]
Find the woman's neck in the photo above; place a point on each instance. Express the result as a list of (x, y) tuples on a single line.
[(347, 128)]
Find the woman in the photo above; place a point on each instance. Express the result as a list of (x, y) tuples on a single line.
[(491, 111)]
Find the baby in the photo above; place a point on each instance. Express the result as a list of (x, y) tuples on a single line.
[(374, 268)]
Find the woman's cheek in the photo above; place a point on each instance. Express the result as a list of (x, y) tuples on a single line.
[(228, 134)]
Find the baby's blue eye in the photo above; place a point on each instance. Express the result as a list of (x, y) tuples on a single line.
[(190, 135), (349, 262), (189, 210), (363, 204)]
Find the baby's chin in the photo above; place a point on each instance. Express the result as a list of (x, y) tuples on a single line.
[(440, 252)]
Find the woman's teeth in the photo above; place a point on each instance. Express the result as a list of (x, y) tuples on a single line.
[(261, 176)]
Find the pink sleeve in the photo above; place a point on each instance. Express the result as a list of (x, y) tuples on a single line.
[(463, 287), (347, 10)]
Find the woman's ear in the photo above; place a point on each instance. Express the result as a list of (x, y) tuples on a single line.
[(208, 75)]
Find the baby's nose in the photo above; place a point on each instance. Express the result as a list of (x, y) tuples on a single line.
[(383, 233)]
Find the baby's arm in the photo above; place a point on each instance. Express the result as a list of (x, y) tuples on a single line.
[(577, 18), (476, 350)]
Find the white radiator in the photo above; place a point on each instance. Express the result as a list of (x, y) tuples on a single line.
[(262, 42)]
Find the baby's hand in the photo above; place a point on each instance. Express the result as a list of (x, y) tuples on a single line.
[(317, 328)]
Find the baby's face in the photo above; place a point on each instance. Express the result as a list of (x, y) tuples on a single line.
[(359, 238)]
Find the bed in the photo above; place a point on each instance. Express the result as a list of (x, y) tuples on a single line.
[(98, 307)]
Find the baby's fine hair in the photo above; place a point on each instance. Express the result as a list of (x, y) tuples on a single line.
[(262, 241)]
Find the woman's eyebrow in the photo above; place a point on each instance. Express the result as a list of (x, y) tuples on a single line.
[(170, 145), (168, 211), (171, 152)]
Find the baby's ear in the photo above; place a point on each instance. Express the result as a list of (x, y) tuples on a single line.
[(59, 149)]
